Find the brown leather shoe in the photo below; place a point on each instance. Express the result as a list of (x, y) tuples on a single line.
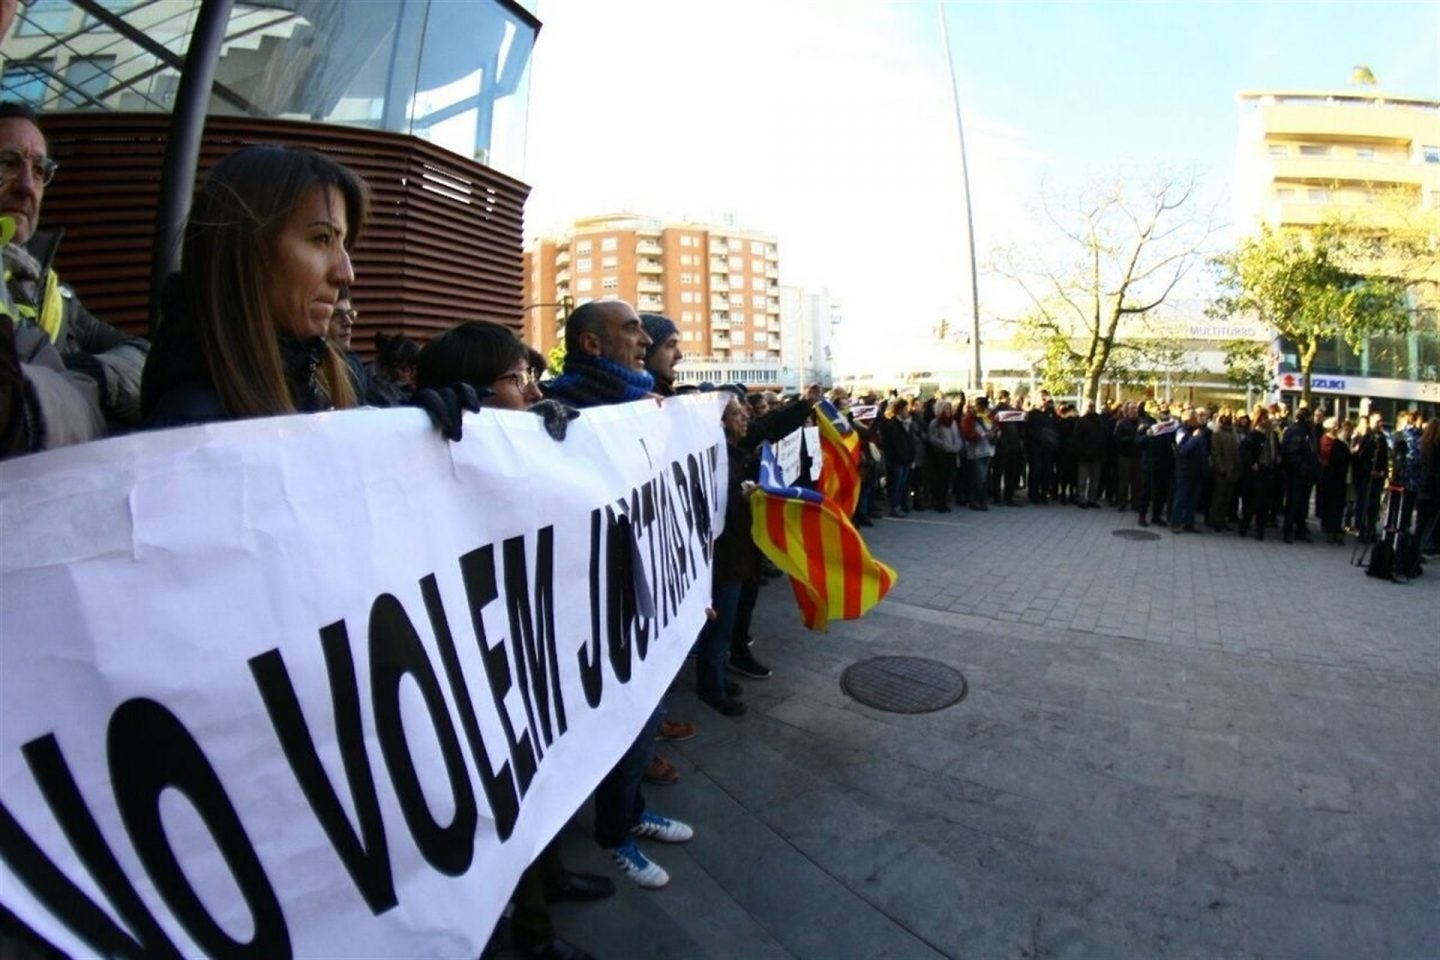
[(662, 772), (672, 731)]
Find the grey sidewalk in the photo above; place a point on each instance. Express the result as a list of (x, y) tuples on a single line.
[(1192, 747)]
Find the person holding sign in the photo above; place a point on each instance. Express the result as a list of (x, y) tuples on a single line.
[(264, 258)]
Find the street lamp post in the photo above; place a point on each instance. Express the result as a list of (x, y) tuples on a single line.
[(969, 213)]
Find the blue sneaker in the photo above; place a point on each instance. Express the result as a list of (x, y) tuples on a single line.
[(652, 826), (635, 865)]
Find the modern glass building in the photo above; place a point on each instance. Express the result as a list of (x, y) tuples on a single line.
[(427, 99)]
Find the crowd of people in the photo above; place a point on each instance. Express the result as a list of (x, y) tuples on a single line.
[(1234, 471), (258, 322)]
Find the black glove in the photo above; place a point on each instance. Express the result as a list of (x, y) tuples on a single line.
[(557, 417), (86, 363), (14, 437), (447, 406)]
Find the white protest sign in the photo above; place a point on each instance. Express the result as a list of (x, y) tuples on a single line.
[(324, 685)]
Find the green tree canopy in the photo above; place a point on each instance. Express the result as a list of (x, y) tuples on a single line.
[(1311, 286)]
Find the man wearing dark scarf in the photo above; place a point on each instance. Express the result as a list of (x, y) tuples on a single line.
[(605, 345)]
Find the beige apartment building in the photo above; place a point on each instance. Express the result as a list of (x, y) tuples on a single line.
[(1303, 155), (720, 285)]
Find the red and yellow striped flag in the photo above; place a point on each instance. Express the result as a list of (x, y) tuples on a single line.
[(839, 458), (812, 541)]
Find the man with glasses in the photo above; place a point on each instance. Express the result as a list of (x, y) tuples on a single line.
[(87, 346)]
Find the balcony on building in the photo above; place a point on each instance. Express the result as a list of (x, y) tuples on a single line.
[(718, 302), (649, 266), (772, 324), (720, 320), (772, 306), (649, 286), (648, 248), (720, 341), (772, 272), (562, 257), (651, 303), (562, 276), (719, 283)]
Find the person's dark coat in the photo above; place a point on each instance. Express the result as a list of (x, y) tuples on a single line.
[(1089, 438)]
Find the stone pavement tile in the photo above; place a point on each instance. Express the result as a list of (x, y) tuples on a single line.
[(802, 905), (1303, 929)]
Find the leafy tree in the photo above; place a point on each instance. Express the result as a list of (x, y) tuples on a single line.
[(556, 358), (1121, 252), (1310, 286), (1247, 364)]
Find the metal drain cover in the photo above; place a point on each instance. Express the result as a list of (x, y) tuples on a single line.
[(1136, 535), (904, 684)]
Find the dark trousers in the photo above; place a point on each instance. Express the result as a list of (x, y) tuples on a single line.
[(942, 469), (715, 642), (1297, 505), (1132, 481), (1257, 502), (619, 804), (897, 481), (1040, 475), (1187, 496), (1367, 506), (1007, 476), (740, 636), (542, 880), (1162, 483), (1222, 496)]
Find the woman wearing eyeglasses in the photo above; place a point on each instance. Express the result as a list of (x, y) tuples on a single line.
[(502, 368)]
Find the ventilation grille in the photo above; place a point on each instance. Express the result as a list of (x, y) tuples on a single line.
[(443, 244)]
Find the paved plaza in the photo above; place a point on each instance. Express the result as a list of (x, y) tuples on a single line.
[(1190, 747)]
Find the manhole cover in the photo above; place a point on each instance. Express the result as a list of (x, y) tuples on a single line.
[(903, 684), (1136, 535)]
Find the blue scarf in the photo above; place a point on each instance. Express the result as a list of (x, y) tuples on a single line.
[(591, 380)]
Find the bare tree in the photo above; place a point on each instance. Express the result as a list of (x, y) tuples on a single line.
[(1121, 251)]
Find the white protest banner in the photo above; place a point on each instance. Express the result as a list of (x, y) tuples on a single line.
[(1009, 416), (324, 685), (788, 453)]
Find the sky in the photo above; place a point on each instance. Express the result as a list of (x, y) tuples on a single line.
[(830, 124)]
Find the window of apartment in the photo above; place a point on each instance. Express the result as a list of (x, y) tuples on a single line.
[(609, 243), (737, 299), (583, 265), (757, 283), (1431, 153), (687, 296), (684, 240), (582, 247), (738, 318), (757, 248), (758, 301), (1318, 195), (88, 77), (1285, 193), (757, 266), (1315, 150), (609, 283), (26, 80), (737, 336), (1365, 153), (1279, 150), (44, 17), (582, 285), (690, 335), (609, 263), (737, 264), (734, 243)]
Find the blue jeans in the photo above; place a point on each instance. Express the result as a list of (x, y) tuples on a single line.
[(619, 804), (898, 481), (715, 641), (979, 480)]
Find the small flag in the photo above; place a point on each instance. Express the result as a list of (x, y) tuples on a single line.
[(811, 540), (840, 458)]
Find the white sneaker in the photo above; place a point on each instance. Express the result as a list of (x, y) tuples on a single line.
[(652, 826), (635, 865)]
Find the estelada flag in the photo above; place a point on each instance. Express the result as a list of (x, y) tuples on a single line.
[(811, 540), (839, 458)]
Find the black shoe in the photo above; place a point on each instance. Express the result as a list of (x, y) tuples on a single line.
[(726, 705), (733, 689), (864, 522), (581, 887), (556, 949), (748, 666), (1190, 528)]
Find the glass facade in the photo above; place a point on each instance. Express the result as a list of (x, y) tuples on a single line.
[(453, 72)]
